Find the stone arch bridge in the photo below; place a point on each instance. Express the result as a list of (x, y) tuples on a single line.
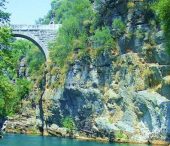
[(40, 35)]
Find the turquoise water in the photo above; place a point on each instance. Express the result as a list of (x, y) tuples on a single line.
[(25, 140)]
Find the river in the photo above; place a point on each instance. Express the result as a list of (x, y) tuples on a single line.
[(25, 140)]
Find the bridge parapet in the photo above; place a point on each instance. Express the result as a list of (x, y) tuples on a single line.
[(35, 27)]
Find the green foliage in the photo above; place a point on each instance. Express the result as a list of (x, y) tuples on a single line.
[(8, 93), (11, 95), (78, 31), (5, 35), (34, 57), (4, 16), (8, 97), (103, 39), (23, 88), (21, 47), (162, 10), (12, 88), (36, 62), (74, 31), (65, 8), (120, 135), (118, 26), (68, 122), (80, 34)]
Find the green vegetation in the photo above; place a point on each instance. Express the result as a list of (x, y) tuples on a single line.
[(80, 33), (102, 38), (34, 57), (4, 16), (23, 88), (35, 66), (76, 17), (68, 122), (8, 92), (161, 8), (8, 97), (120, 135), (118, 26), (13, 88)]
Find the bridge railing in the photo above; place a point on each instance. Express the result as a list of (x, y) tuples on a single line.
[(36, 27)]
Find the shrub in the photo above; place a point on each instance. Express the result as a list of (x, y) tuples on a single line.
[(23, 88), (118, 26), (131, 5), (68, 122), (161, 9), (103, 39), (120, 135)]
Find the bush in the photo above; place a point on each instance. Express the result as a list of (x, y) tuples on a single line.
[(103, 39), (118, 26), (131, 5), (68, 122), (23, 88), (5, 35), (8, 97), (120, 135), (162, 10)]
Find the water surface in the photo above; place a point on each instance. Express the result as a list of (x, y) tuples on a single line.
[(25, 140)]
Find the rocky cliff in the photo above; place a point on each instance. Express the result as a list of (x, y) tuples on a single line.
[(122, 95)]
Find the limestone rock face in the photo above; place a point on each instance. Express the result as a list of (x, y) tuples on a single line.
[(121, 96)]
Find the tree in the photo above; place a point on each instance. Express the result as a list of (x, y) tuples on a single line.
[(76, 17), (7, 90), (10, 91), (8, 97), (103, 39), (162, 10), (68, 122), (4, 16)]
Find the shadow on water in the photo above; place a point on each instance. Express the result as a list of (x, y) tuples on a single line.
[(24, 140)]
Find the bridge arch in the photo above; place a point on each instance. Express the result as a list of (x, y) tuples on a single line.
[(34, 41), (40, 35)]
